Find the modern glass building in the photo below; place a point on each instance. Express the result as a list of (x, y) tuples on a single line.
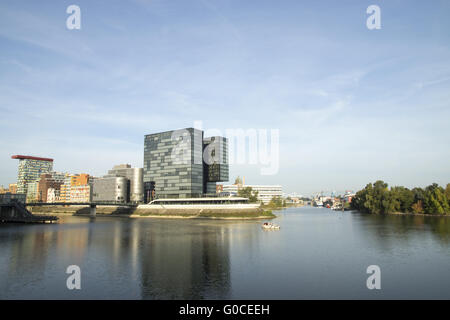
[(30, 170), (215, 162), (134, 175), (174, 165)]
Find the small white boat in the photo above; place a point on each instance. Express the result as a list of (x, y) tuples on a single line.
[(268, 225)]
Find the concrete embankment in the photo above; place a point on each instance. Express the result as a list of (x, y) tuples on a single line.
[(81, 210), (111, 211), (225, 213)]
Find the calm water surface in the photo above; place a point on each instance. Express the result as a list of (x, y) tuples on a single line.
[(317, 253)]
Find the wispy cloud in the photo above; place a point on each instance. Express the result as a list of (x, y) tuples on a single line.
[(345, 99)]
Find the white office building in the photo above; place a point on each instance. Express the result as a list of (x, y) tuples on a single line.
[(265, 193)]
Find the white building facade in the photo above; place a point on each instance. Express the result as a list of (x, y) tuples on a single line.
[(265, 192)]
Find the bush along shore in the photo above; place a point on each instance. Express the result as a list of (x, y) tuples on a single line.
[(378, 198)]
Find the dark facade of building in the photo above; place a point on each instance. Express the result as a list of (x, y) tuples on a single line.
[(174, 165), (215, 163), (7, 198)]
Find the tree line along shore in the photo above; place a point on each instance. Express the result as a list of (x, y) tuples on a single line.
[(378, 198)]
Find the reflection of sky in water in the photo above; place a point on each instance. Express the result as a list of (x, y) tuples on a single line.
[(316, 254)]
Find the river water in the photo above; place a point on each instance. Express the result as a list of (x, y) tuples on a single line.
[(317, 254)]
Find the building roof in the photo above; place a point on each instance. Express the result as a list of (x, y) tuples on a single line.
[(156, 133), (20, 157)]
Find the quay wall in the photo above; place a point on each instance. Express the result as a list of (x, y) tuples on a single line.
[(211, 211), (76, 210)]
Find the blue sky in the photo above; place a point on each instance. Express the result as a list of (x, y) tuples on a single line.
[(352, 105)]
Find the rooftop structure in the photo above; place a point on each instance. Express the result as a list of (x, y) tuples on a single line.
[(20, 157), (30, 169)]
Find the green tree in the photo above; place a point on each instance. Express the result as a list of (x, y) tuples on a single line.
[(390, 201), (447, 193), (377, 198), (359, 200), (417, 207), (405, 198), (248, 192), (419, 194), (434, 196), (437, 202), (276, 202)]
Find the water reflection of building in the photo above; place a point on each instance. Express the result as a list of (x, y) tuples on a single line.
[(193, 264), (121, 258)]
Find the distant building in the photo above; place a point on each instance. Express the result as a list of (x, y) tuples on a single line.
[(174, 165), (135, 177), (294, 200), (110, 189), (13, 188), (30, 169), (80, 193), (52, 195), (348, 196), (52, 180), (81, 179), (65, 189), (81, 185), (265, 192), (32, 191)]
